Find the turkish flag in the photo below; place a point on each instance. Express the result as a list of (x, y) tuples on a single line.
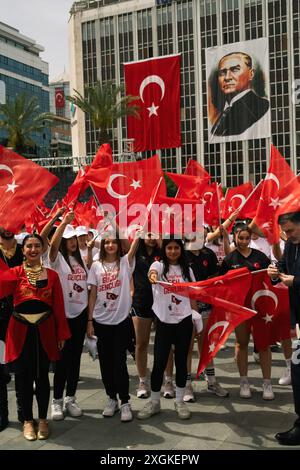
[(176, 215), (279, 174), (59, 98), (23, 184), (250, 207), (289, 197), (195, 169), (235, 198), (210, 197), (272, 322), (156, 83), (227, 296), (102, 161), (188, 186), (129, 189)]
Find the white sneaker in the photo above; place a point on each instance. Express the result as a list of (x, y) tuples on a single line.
[(72, 407), (189, 396), (111, 408), (182, 410), (268, 391), (286, 378), (169, 391), (57, 412), (245, 391), (126, 413), (143, 390), (151, 408)]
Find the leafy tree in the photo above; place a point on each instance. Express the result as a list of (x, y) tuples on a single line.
[(20, 118), (104, 104)]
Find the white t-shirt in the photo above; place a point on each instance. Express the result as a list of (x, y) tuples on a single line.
[(74, 285), (217, 249), (261, 244), (168, 307), (45, 258), (113, 300)]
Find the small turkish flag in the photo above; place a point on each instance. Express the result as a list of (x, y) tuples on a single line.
[(59, 98), (157, 84), (23, 185), (235, 198), (279, 174)]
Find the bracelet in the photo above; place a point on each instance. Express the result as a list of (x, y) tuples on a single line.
[(90, 320), (230, 219)]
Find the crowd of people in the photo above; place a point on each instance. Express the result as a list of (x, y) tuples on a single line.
[(66, 284)]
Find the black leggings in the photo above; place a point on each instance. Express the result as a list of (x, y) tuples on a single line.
[(68, 367), (33, 367), (112, 347), (179, 334)]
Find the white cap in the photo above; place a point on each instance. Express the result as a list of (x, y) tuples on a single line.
[(81, 230), (69, 232)]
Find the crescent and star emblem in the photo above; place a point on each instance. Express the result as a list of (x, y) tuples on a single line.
[(10, 186), (271, 176), (208, 200), (147, 81), (224, 324), (135, 184), (237, 196), (265, 293)]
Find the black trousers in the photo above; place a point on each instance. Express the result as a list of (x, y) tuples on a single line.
[(4, 373), (68, 367), (112, 347), (33, 367), (179, 334), (295, 373)]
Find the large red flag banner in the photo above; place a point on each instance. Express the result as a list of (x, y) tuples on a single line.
[(23, 184), (157, 84)]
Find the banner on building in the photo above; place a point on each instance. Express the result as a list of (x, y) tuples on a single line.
[(238, 96), (59, 98), (156, 83)]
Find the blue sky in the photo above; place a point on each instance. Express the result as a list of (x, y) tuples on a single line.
[(45, 21)]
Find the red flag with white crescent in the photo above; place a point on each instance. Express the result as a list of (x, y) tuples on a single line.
[(156, 82), (59, 98), (272, 322), (227, 296), (23, 185), (235, 198)]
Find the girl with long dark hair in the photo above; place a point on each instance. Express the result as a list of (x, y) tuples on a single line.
[(109, 307), (66, 260), (174, 325), (244, 256)]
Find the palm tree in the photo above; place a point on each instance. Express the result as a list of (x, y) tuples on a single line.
[(104, 104), (20, 118)]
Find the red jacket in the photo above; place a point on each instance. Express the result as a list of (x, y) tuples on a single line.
[(55, 328)]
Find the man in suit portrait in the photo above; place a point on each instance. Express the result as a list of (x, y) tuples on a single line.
[(239, 106)]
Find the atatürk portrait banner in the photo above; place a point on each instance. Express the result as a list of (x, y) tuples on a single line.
[(238, 91)]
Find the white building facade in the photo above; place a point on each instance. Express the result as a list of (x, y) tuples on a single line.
[(105, 34)]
